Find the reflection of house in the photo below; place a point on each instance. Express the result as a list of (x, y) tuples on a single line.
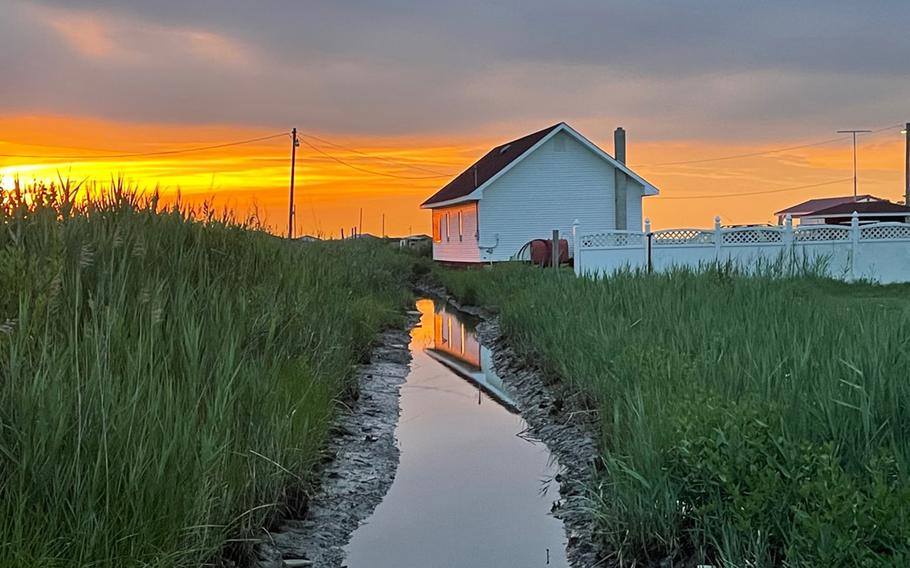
[(451, 337), (838, 211), (455, 345)]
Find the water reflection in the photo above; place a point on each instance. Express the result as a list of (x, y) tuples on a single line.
[(455, 345), (470, 490)]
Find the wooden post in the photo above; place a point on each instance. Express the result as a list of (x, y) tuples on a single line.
[(648, 249), (854, 243), (789, 242), (554, 250), (294, 144), (718, 238), (576, 248), (907, 165)]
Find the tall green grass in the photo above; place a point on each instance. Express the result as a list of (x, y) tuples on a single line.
[(165, 374), (746, 421)]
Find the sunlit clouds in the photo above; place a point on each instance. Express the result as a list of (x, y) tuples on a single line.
[(393, 99)]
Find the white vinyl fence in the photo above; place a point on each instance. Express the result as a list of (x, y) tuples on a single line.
[(878, 252)]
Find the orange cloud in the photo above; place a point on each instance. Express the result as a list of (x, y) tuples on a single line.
[(115, 38), (216, 48), (84, 32)]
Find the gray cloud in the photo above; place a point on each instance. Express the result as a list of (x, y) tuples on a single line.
[(712, 70)]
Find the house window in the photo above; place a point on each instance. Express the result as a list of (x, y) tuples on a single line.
[(437, 229), (448, 236), (460, 227)]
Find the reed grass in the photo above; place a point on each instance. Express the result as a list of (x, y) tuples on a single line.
[(166, 374), (746, 420)]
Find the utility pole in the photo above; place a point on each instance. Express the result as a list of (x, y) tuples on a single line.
[(294, 144), (906, 133), (854, 133), (360, 222)]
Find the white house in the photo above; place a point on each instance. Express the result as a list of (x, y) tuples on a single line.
[(523, 189)]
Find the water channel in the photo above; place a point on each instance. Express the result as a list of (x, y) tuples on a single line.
[(472, 490)]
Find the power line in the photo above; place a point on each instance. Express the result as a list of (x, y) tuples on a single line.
[(381, 158), (229, 144), (746, 155), (156, 153), (781, 190), (59, 146), (761, 153), (365, 170)]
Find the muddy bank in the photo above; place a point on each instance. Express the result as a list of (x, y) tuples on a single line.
[(359, 466), (560, 418)]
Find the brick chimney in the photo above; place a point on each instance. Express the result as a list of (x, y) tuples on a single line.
[(619, 185), (619, 144)]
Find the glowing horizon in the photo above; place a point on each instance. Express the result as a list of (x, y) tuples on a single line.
[(330, 195)]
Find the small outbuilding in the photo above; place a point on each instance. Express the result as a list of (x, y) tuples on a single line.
[(415, 241), (522, 190), (839, 210)]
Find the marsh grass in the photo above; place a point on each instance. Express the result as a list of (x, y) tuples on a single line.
[(758, 420), (166, 373)]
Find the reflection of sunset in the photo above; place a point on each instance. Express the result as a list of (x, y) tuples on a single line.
[(423, 334), (395, 173)]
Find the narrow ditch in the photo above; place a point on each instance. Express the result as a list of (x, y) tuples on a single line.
[(461, 479)]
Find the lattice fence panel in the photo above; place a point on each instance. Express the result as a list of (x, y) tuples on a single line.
[(611, 240), (751, 236), (682, 237), (885, 232), (817, 234)]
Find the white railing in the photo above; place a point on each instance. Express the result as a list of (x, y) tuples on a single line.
[(878, 251)]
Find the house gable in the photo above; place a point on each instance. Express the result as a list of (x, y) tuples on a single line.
[(561, 181), (489, 168)]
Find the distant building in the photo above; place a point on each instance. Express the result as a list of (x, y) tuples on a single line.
[(523, 189), (839, 210), (307, 239), (415, 241), (365, 236)]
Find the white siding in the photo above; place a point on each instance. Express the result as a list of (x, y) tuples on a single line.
[(634, 196), (448, 244), (559, 182)]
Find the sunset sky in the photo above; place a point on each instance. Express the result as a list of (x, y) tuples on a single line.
[(393, 98)]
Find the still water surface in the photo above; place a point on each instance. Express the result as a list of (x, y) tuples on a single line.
[(470, 491)]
